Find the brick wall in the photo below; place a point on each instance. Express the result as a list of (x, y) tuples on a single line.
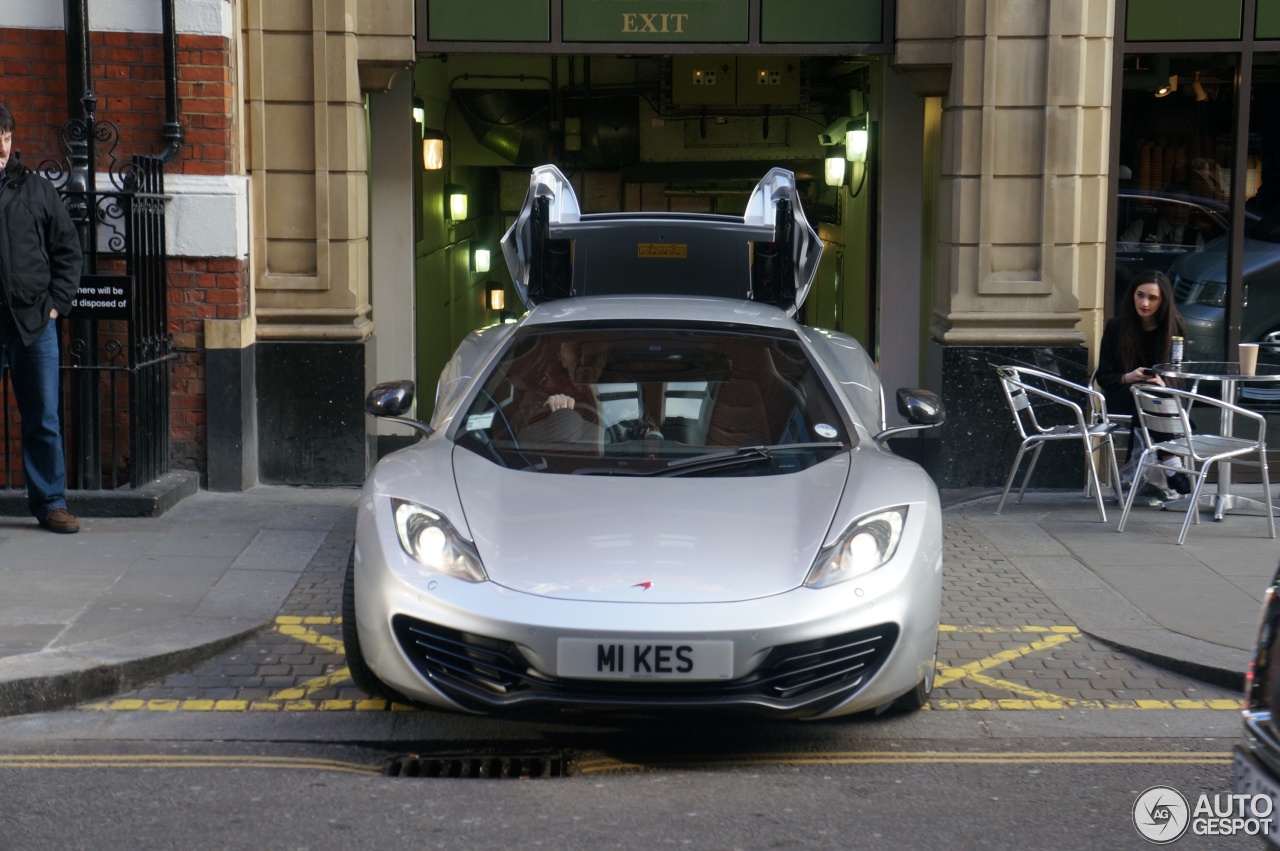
[(199, 289), (127, 76)]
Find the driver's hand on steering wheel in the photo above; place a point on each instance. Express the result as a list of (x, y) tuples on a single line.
[(560, 401)]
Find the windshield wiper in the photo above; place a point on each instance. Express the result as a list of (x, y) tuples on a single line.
[(738, 457)]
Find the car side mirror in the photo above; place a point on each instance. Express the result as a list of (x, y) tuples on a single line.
[(390, 399), (921, 407)]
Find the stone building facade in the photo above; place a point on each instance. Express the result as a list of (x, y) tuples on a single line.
[(310, 253)]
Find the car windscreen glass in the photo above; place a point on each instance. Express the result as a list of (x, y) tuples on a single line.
[(635, 400), (1267, 229)]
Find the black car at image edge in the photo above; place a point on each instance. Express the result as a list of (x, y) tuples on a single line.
[(1257, 758)]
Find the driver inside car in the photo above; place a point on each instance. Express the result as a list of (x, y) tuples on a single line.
[(563, 410), (563, 383)]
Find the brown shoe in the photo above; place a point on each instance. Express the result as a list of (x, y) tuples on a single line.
[(61, 521)]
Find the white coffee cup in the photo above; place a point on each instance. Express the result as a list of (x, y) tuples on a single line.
[(1248, 358)]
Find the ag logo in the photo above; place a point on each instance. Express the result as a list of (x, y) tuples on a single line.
[(1161, 814)]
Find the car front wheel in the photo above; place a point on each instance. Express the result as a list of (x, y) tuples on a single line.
[(361, 674)]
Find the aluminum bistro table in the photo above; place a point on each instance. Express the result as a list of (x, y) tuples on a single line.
[(1227, 374)]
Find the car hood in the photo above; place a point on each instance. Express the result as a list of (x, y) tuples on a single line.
[(648, 540), (1210, 263)]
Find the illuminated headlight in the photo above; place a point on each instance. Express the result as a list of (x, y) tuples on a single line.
[(434, 543), (868, 543)]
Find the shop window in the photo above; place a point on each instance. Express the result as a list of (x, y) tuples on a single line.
[(1260, 273), (1177, 147)]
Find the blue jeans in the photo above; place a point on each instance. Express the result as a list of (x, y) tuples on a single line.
[(33, 370)]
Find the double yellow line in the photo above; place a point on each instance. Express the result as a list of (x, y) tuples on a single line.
[(45, 761), (598, 765)]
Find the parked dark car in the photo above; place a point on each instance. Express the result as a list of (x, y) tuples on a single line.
[(1200, 287), (1139, 244), (1257, 758)]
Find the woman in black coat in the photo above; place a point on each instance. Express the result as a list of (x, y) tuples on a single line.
[(1136, 340)]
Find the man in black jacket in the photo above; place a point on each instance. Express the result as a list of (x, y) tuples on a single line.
[(40, 265)]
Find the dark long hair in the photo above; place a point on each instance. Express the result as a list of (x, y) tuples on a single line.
[(1169, 322)]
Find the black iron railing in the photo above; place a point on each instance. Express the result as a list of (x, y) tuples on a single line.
[(116, 344)]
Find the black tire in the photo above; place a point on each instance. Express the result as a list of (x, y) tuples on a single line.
[(913, 700), (361, 674)]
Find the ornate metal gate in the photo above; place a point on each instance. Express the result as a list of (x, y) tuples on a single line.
[(116, 344)]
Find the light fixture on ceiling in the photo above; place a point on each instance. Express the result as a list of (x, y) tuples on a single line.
[(1198, 90), (1168, 89)]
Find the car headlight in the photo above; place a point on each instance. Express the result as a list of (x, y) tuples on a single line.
[(1212, 293), (434, 543), (868, 543)]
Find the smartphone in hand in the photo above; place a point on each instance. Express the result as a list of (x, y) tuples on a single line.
[(1149, 373)]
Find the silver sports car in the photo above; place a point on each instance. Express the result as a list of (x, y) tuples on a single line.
[(655, 490)]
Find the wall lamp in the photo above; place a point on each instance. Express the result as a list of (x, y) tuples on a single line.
[(432, 150), (496, 296), (855, 145), (457, 196), (833, 168), (480, 260)]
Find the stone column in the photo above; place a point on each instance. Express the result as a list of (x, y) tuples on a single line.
[(308, 64), (1022, 205)]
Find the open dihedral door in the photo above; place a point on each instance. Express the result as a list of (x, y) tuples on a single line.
[(769, 254)]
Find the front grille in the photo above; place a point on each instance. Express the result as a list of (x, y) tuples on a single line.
[(1182, 288), (485, 673)]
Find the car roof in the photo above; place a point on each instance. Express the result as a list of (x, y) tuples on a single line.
[(769, 254)]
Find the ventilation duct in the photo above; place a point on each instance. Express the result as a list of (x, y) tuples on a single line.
[(513, 123)]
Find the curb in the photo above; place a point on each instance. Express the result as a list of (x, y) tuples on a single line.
[(55, 679), (151, 500)]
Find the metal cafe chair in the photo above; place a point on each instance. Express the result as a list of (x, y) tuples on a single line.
[(1164, 411), (1045, 409)]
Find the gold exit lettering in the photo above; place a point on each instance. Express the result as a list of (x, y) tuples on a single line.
[(656, 22)]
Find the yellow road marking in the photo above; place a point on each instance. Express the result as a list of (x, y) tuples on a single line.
[(313, 685), (603, 764), (1016, 688), (327, 643), (948, 675), (1065, 630), (179, 761), (1070, 703)]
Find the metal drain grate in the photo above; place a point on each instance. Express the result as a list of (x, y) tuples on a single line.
[(524, 767)]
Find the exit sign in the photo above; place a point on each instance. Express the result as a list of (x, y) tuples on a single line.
[(657, 21)]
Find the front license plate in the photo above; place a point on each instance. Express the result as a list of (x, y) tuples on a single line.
[(656, 659), (1251, 779)]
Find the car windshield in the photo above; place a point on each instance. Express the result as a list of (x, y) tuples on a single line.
[(636, 400), (1267, 229)]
